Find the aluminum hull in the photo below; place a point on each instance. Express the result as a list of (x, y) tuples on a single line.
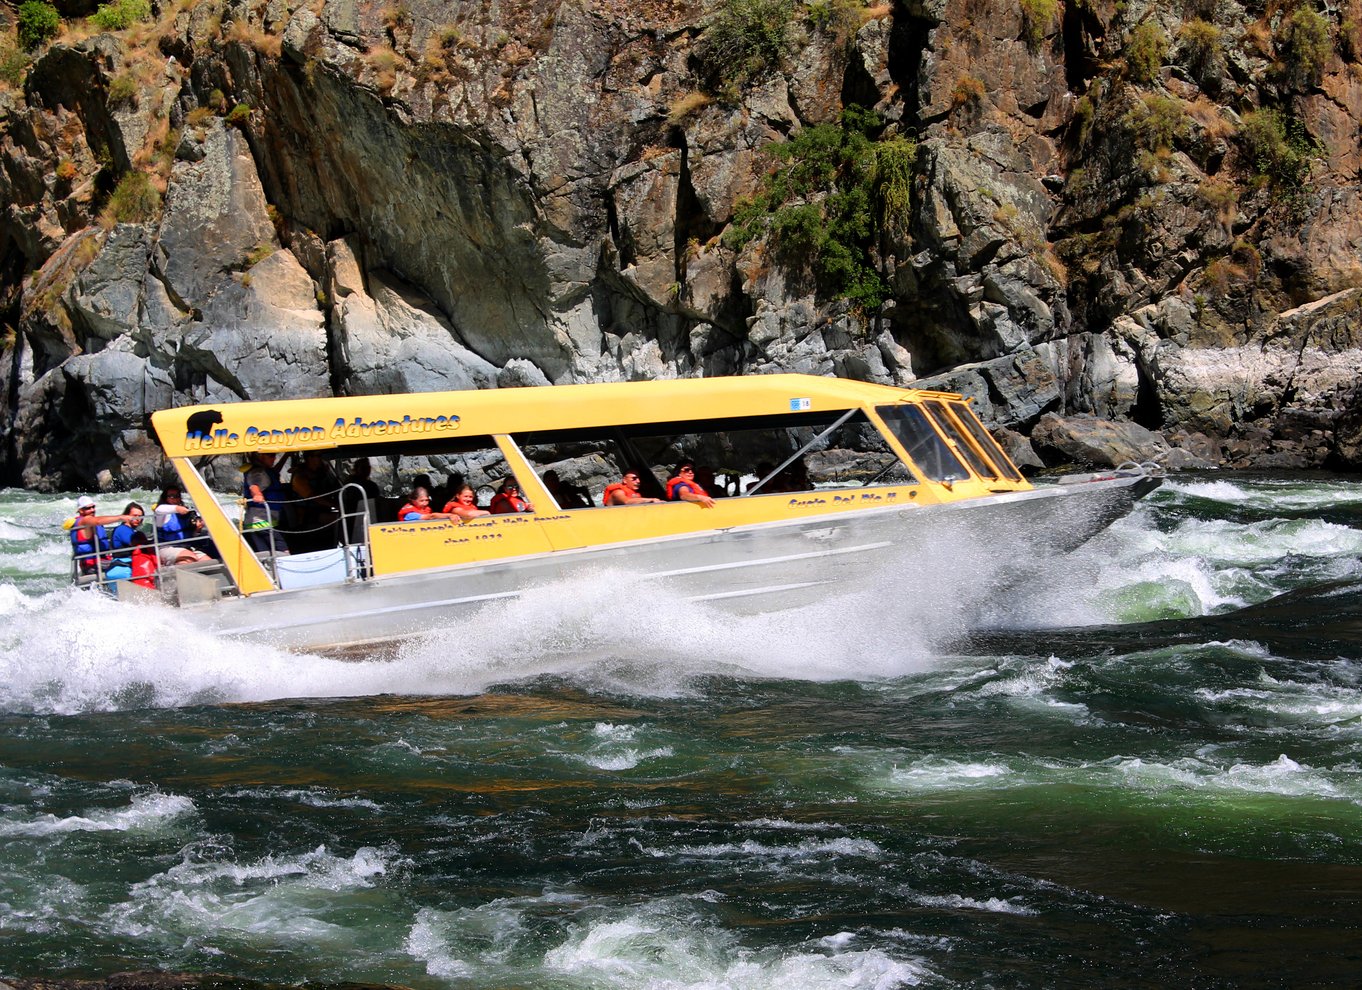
[(762, 567)]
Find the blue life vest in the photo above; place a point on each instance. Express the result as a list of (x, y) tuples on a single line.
[(122, 541), (84, 548), (173, 529)]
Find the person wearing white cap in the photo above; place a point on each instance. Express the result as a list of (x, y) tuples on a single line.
[(88, 536)]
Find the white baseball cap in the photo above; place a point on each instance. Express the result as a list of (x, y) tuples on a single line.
[(85, 502)]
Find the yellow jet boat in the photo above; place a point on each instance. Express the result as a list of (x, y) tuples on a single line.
[(828, 483)]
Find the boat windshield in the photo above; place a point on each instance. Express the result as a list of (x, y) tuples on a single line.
[(985, 440), (912, 427), (963, 444)]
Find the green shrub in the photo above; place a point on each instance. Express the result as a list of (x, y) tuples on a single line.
[(239, 115), (1304, 46), (122, 89), (1276, 150), (13, 64), (839, 18), (1159, 122), (833, 188), (118, 15), (743, 41), (1200, 48), (1038, 17), (134, 200), (1145, 52), (38, 21)]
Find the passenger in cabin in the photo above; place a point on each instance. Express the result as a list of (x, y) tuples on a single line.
[(360, 472), (265, 495), (625, 491), (704, 477), (508, 499), (89, 539), (181, 528), (446, 492), (351, 500), (465, 504), (418, 508), (762, 469), (567, 496), (682, 487), (315, 510)]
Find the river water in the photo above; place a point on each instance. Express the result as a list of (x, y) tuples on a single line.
[(1141, 767)]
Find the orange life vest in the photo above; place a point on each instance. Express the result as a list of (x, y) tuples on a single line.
[(503, 502), (675, 483), (409, 508), (610, 490)]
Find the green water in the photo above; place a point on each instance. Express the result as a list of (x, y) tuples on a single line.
[(1141, 769)]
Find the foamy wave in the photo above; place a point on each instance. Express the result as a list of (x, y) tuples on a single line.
[(668, 944), (146, 812), (272, 900), (1283, 776), (934, 774), (809, 849), (996, 905)]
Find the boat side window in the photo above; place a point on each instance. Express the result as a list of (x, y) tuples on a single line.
[(963, 445), (913, 429), (985, 440), (754, 455)]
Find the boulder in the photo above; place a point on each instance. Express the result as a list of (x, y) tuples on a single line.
[(1087, 440)]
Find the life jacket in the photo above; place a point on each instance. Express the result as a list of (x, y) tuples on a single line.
[(143, 567), (610, 490), (275, 494), (174, 528), (121, 543), (675, 484), (503, 502), (84, 547), (409, 508)]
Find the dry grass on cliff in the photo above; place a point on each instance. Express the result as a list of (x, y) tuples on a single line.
[(255, 36), (685, 105)]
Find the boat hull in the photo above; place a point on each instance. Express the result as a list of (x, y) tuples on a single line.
[(762, 567)]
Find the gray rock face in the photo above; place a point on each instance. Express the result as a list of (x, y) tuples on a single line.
[(433, 195)]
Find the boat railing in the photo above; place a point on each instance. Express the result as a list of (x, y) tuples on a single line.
[(101, 561), (346, 560), (342, 552)]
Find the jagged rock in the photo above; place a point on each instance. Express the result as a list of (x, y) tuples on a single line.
[(391, 341), (1087, 440), (214, 218)]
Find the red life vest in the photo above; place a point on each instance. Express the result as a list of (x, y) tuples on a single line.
[(675, 483), (423, 511), (143, 568), (610, 490), (503, 502)]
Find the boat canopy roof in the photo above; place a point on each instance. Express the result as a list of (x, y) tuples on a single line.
[(446, 418)]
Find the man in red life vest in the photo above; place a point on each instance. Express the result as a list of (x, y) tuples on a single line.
[(625, 491), (682, 487)]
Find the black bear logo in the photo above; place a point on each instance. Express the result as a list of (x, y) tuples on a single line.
[(201, 424)]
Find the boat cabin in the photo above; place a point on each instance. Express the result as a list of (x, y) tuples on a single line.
[(770, 449)]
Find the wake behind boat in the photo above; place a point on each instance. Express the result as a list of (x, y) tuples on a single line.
[(841, 478)]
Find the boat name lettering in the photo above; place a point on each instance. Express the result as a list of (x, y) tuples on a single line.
[(224, 439), (808, 501)]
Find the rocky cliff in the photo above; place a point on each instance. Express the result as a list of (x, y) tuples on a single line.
[(1142, 211)]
